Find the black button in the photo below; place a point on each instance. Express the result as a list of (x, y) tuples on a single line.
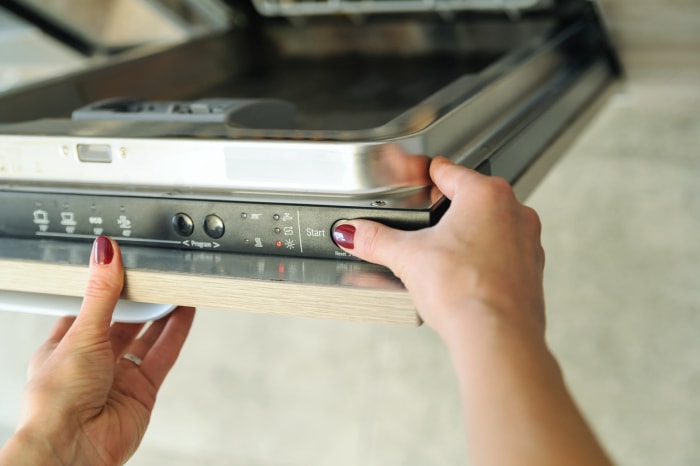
[(182, 224), (214, 226)]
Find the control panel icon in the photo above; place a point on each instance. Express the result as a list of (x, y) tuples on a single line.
[(124, 222), (41, 217), (68, 219)]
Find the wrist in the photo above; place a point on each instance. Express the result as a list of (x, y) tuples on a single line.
[(27, 448), (41, 442), (475, 323)]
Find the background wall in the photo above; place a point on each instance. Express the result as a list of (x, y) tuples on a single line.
[(656, 37)]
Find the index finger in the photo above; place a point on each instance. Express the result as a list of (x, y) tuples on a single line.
[(450, 178)]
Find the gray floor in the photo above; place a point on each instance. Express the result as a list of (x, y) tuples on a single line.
[(621, 217)]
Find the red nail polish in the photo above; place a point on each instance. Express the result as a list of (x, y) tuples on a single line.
[(344, 236), (103, 250)]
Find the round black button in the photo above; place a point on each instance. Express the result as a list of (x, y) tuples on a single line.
[(214, 226), (182, 224)]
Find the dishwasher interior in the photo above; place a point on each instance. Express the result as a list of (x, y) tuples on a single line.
[(350, 101)]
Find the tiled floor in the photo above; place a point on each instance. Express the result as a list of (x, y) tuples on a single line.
[(621, 215)]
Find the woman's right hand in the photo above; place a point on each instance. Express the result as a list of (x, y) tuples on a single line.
[(476, 278), (484, 255)]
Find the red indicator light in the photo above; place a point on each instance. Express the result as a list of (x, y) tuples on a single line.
[(278, 244)]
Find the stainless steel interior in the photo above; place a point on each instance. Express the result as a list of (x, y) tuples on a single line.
[(373, 101), (387, 77)]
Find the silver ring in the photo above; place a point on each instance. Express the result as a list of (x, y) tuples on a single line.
[(133, 358)]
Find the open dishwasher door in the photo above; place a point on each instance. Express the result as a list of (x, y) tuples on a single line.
[(256, 140)]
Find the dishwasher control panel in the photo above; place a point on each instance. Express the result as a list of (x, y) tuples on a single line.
[(262, 228)]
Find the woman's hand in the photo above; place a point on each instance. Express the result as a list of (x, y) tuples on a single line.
[(484, 253), (476, 278), (84, 403)]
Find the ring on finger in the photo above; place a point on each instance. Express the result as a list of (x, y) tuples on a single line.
[(133, 358)]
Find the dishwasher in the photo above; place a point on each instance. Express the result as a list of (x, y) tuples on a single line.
[(235, 152)]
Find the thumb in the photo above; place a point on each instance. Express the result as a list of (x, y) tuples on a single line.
[(105, 283), (370, 241)]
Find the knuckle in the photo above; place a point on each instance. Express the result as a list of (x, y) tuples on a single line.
[(541, 256), (101, 285), (500, 188), (370, 239), (532, 218), (379, 244), (496, 190)]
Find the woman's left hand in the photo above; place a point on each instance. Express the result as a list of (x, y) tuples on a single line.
[(85, 402)]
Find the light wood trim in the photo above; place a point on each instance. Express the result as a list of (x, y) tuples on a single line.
[(392, 306)]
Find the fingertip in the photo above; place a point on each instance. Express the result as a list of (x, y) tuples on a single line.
[(105, 252), (102, 251), (185, 312), (367, 240), (438, 163), (450, 177), (344, 235), (106, 271)]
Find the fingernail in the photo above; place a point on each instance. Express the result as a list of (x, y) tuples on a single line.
[(103, 250), (344, 236)]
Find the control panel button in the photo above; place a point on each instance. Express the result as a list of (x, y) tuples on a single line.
[(182, 224), (214, 226), (336, 236)]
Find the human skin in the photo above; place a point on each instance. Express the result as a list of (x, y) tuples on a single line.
[(84, 404), (476, 279)]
